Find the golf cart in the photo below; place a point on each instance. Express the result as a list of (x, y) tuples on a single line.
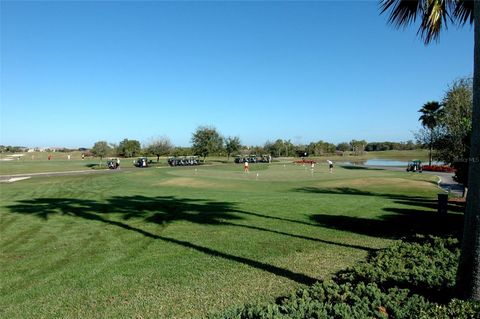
[(247, 158), (266, 158), (183, 160), (142, 162), (415, 166), (113, 163)]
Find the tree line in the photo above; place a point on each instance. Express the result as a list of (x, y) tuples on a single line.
[(207, 141)]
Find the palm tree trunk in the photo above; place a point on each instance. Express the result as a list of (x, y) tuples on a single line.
[(468, 274), (431, 147)]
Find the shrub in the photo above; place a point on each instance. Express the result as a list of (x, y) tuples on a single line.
[(331, 300), (458, 309), (384, 286), (425, 265)]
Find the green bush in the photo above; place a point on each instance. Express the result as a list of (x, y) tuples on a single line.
[(331, 300), (425, 265), (458, 309), (384, 286)]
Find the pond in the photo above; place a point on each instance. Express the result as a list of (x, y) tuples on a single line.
[(383, 162)]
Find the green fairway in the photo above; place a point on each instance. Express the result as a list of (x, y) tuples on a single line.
[(38, 162), (180, 242)]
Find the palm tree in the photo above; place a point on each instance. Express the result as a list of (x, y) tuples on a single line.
[(431, 111), (435, 14)]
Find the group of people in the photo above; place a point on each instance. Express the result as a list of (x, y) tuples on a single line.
[(246, 168), (330, 166)]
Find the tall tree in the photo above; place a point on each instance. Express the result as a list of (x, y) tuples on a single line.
[(160, 146), (358, 147), (232, 145), (433, 14), (129, 148), (101, 149), (456, 128), (431, 112), (343, 147), (206, 140)]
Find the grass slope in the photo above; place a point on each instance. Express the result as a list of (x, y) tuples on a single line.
[(180, 242)]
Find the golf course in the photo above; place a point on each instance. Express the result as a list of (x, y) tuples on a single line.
[(183, 242)]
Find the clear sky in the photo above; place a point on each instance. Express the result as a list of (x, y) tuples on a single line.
[(73, 73)]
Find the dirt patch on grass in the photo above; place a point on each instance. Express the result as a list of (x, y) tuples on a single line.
[(188, 182), (379, 181)]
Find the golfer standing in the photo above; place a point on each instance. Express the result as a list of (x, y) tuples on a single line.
[(330, 166), (245, 166)]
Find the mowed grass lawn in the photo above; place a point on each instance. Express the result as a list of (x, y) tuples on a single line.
[(181, 242), (37, 162)]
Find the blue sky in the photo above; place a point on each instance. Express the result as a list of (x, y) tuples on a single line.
[(73, 73)]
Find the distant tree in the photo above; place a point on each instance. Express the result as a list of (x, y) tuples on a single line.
[(409, 145), (160, 146), (278, 146), (206, 140), (344, 147), (129, 148), (232, 145), (358, 147), (387, 146), (257, 150), (425, 137), (431, 113), (269, 148), (281, 148), (100, 149), (182, 151), (320, 148)]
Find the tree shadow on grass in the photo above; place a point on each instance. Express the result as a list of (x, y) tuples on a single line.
[(419, 201), (411, 215), (356, 192), (353, 167), (397, 223), (157, 210)]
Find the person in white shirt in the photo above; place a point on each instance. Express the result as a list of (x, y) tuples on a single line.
[(330, 166)]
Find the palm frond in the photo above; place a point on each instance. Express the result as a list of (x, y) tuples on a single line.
[(430, 107), (463, 11), (434, 14), (431, 112), (434, 17), (402, 12)]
